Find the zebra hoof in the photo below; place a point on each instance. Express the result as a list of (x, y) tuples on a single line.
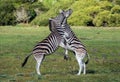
[(39, 77), (66, 57), (78, 74)]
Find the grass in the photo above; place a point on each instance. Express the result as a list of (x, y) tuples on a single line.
[(103, 45)]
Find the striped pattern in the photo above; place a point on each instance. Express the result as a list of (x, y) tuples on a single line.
[(61, 35), (70, 41), (48, 45), (45, 47)]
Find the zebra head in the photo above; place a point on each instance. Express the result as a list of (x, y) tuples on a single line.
[(61, 19), (56, 26), (65, 15)]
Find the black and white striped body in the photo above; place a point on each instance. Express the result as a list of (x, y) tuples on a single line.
[(45, 47), (48, 45), (71, 42)]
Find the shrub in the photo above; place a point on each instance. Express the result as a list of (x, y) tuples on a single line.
[(28, 11), (105, 5), (81, 20), (81, 15), (92, 12), (115, 9), (7, 16), (117, 2), (49, 3), (42, 19), (38, 5), (102, 18), (31, 14), (85, 12), (114, 20)]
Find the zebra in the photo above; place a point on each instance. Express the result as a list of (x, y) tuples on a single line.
[(70, 41), (45, 47), (61, 18)]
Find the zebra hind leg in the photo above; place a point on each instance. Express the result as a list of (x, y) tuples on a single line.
[(81, 64), (84, 71), (39, 58)]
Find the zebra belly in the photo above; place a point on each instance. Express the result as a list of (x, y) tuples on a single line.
[(66, 46), (62, 45)]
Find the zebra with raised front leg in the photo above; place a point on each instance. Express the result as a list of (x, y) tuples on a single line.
[(70, 41), (62, 18), (45, 47)]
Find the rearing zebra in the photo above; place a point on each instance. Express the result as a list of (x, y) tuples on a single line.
[(70, 41), (62, 18), (45, 47)]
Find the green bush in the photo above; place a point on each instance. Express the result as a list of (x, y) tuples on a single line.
[(31, 14), (26, 1), (81, 20), (81, 13), (114, 20), (85, 12), (31, 10), (7, 13), (105, 5), (26, 12), (49, 3), (117, 2), (101, 19), (38, 5), (95, 13), (115, 9), (42, 19)]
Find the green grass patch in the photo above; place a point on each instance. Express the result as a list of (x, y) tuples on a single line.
[(103, 45)]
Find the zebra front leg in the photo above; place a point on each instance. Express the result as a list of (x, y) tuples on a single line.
[(66, 54), (39, 58)]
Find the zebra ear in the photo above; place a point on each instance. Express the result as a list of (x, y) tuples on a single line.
[(61, 11), (68, 12), (51, 19)]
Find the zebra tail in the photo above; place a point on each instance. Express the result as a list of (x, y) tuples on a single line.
[(88, 58), (25, 60)]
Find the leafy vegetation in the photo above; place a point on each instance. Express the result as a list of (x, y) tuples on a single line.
[(19, 11), (86, 13), (103, 46), (37, 12), (43, 18), (93, 13), (6, 13)]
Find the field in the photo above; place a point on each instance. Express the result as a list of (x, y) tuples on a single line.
[(103, 45)]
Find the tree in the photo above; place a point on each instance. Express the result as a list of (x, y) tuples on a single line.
[(7, 16), (21, 15)]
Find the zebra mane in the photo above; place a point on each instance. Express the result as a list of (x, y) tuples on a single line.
[(50, 25)]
